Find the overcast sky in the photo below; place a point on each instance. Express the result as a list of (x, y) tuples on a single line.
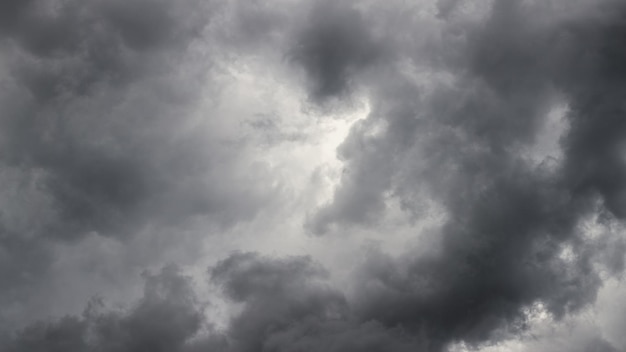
[(304, 176)]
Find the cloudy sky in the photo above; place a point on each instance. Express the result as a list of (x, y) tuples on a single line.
[(304, 176)]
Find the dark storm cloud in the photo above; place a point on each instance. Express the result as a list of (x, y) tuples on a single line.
[(285, 305), (507, 219), (369, 167), (288, 306), (592, 74), (70, 46), (73, 69), (100, 131), (333, 46), (165, 319), (87, 138)]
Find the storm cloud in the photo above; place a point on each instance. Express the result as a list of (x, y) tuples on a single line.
[(101, 128), (478, 198), (163, 320)]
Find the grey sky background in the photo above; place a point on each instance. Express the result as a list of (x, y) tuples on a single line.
[(239, 176)]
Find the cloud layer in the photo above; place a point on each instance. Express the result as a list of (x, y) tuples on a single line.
[(479, 200)]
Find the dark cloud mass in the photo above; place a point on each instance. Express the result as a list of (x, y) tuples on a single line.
[(506, 220), (165, 318), (106, 131), (333, 47), (287, 306), (99, 129)]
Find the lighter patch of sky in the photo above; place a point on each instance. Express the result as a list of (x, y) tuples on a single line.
[(546, 151), (295, 147), (293, 150)]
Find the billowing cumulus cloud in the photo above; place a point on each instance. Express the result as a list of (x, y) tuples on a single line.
[(286, 306), (508, 219), (104, 128), (477, 205), (163, 320)]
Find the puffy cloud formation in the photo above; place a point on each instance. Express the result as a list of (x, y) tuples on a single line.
[(101, 130), (163, 320), (480, 199)]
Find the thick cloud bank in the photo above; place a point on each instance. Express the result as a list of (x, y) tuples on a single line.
[(478, 203)]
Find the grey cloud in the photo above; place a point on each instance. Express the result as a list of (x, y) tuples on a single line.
[(593, 78), (288, 306), (578, 334), (507, 220), (245, 275), (89, 140), (600, 345), (149, 24), (100, 130), (165, 319), (74, 128), (276, 293), (333, 46), (69, 47)]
